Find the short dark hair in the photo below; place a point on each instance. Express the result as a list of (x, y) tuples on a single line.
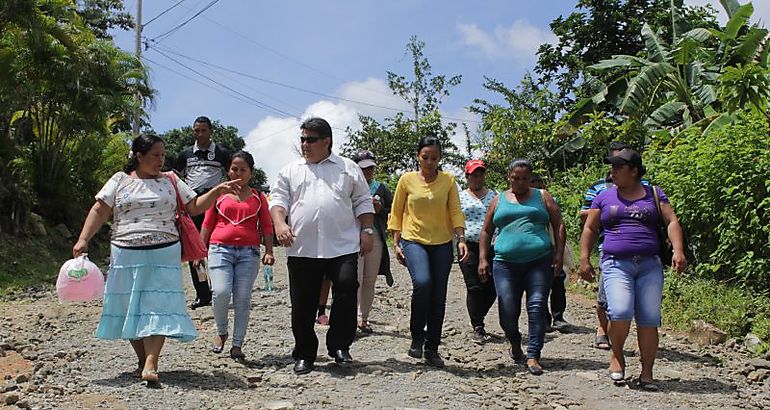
[(536, 178), (320, 126), (246, 156), (428, 141), (141, 145), (203, 120), (520, 163)]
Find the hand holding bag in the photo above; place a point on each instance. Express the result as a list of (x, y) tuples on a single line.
[(193, 247)]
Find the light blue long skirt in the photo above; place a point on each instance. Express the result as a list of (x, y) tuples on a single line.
[(144, 297)]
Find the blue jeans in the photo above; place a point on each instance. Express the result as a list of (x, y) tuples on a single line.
[(429, 267), (233, 270), (511, 281), (634, 288)]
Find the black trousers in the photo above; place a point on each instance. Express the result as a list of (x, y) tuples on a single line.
[(202, 289), (305, 277), (481, 295), (558, 299)]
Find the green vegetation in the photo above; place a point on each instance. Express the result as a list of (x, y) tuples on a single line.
[(28, 262), (690, 94), (735, 310)]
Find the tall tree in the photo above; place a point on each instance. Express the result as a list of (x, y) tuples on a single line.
[(395, 140), (599, 29), (61, 85), (103, 15), (674, 85), (424, 92)]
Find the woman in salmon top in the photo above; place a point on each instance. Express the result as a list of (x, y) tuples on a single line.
[(232, 229)]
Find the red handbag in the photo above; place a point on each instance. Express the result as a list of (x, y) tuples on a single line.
[(193, 247)]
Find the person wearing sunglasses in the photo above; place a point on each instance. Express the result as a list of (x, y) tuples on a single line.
[(330, 224)]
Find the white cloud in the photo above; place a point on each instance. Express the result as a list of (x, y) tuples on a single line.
[(274, 141), (520, 41), (374, 92)]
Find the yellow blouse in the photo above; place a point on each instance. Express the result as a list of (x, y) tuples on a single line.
[(426, 213)]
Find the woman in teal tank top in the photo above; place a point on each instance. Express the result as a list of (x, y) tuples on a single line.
[(523, 227), (525, 260)]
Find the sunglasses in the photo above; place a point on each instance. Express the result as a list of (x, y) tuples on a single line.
[(309, 140)]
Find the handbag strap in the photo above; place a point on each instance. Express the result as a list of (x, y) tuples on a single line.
[(657, 205), (181, 209)]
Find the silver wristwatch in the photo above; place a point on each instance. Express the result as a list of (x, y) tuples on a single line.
[(368, 231)]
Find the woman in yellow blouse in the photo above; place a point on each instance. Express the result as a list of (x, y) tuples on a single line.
[(423, 219)]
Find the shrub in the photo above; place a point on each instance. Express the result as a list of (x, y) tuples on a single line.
[(718, 184), (727, 307), (568, 188)]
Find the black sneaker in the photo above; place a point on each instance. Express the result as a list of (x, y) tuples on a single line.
[(415, 350), (561, 325), (433, 359), (479, 335), (197, 303)]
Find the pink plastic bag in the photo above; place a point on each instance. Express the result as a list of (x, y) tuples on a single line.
[(80, 280)]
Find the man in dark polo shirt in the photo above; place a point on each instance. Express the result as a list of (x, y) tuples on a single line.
[(202, 165)]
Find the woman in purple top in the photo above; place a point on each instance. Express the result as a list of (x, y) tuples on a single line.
[(632, 273)]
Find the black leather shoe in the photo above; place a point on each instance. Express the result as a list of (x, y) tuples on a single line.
[(303, 366), (415, 350), (433, 359), (197, 303), (341, 356)]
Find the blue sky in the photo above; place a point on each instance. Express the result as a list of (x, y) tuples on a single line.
[(335, 48)]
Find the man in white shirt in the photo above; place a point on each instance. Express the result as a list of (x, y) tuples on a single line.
[(330, 223)]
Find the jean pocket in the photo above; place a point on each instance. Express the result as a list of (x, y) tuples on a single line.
[(607, 264), (254, 251)]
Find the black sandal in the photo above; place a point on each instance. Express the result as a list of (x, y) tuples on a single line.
[(602, 342), (647, 385)]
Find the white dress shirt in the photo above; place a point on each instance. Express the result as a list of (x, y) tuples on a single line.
[(323, 202)]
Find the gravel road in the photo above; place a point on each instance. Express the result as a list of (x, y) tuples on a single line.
[(51, 359)]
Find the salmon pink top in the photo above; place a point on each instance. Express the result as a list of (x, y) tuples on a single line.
[(239, 223)]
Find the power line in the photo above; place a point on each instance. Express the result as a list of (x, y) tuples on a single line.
[(244, 85), (260, 103), (177, 72), (168, 33), (253, 100), (164, 12), (253, 77), (279, 54), (272, 50)]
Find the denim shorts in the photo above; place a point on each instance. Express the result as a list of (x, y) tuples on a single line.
[(634, 289)]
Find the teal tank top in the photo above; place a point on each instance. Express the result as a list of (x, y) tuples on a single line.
[(523, 235)]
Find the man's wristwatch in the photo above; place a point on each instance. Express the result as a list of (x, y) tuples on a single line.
[(368, 230)]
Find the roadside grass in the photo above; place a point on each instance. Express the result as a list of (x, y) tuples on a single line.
[(26, 261), (732, 309)]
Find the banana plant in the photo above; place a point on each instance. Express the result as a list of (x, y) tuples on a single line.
[(675, 86)]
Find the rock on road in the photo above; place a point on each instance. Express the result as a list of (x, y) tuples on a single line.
[(51, 359)]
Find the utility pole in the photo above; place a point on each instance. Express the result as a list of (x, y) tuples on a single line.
[(138, 52)]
